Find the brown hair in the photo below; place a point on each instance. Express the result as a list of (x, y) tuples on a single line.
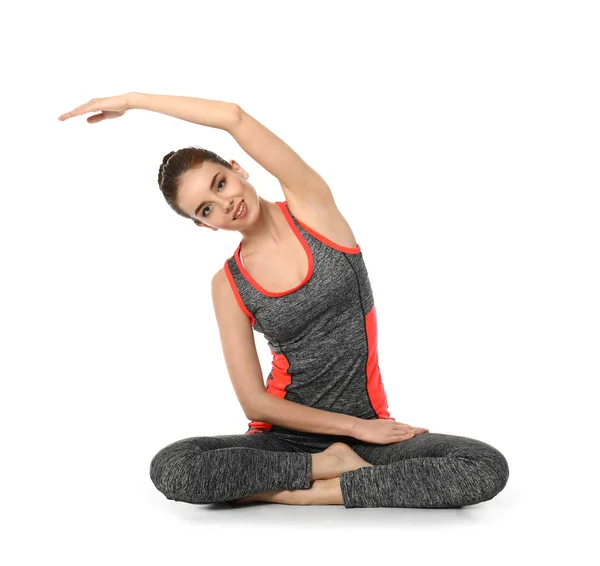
[(175, 164)]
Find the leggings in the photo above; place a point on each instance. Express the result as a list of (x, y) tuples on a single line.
[(430, 470)]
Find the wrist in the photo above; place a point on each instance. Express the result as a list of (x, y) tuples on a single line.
[(353, 424), (131, 99)]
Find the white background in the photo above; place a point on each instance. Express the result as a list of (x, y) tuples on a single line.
[(460, 140)]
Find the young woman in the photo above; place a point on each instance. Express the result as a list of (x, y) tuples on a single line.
[(320, 431)]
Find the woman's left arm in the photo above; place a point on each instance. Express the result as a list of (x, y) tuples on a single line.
[(299, 181), (212, 113), (301, 184)]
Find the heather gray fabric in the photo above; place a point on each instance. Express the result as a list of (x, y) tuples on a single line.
[(323, 333), (323, 336), (431, 470), (213, 469)]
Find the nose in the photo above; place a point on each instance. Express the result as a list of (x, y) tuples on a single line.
[(228, 207)]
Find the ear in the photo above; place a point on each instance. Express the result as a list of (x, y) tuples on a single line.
[(237, 168)]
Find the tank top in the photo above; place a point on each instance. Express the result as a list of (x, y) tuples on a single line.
[(322, 333)]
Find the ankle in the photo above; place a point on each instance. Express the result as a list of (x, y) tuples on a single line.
[(326, 466)]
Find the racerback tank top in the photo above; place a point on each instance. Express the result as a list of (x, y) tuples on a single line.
[(322, 333)]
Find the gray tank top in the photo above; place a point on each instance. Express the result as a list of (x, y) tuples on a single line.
[(322, 333)]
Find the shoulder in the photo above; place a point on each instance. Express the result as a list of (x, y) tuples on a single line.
[(220, 286), (227, 305), (219, 278)]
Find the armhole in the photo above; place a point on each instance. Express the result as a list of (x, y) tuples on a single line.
[(236, 292), (318, 236)]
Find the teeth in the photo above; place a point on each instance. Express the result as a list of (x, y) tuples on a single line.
[(241, 209)]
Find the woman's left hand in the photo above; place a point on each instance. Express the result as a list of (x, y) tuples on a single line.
[(109, 107)]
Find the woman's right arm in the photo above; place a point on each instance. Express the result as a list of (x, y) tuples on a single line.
[(245, 371), (205, 112), (289, 414)]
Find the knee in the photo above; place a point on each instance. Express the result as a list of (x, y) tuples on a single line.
[(169, 468), (499, 467), (492, 473)]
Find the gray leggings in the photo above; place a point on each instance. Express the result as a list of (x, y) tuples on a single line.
[(430, 470)]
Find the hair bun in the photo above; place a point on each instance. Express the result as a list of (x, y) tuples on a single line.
[(167, 157)]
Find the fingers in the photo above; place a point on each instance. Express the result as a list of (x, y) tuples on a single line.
[(87, 107), (408, 432), (412, 429), (96, 118)]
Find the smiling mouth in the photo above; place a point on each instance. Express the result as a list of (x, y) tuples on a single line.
[(242, 203)]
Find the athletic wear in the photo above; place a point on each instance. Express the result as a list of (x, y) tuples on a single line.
[(430, 470), (323, 337), (322, 333)]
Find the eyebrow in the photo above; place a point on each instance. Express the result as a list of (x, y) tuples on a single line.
[(212, 186)]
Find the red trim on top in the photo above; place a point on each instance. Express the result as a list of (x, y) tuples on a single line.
[(309, 255), (375, 389), (251, 431), (237, 293), (275, 386), (326, 240)]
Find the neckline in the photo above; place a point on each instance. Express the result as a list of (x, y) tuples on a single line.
[(309, 255)]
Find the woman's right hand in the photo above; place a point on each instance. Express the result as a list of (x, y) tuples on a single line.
[(110, 107), (384, 431)]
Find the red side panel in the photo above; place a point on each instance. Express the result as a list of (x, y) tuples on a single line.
[(275, 386), (375, 388)]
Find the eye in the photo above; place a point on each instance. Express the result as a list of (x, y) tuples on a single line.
[(202, 212)]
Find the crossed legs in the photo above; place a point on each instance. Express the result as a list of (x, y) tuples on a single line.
[(431, 470), (325, 481)]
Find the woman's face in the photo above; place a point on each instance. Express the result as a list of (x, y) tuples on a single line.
[(211, 195)]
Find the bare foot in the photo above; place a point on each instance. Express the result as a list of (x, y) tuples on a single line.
[(289, 497), (349, 458), (321, 492)]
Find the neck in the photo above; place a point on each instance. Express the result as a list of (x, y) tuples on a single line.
[(268, 231)]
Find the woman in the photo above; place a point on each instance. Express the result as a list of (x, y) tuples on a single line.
[(320, 431)]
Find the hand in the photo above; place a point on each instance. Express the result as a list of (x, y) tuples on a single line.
[(384, 431), (110, 107)]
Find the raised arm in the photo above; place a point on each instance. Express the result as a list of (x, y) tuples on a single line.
[(300, 183), (206, 112)]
